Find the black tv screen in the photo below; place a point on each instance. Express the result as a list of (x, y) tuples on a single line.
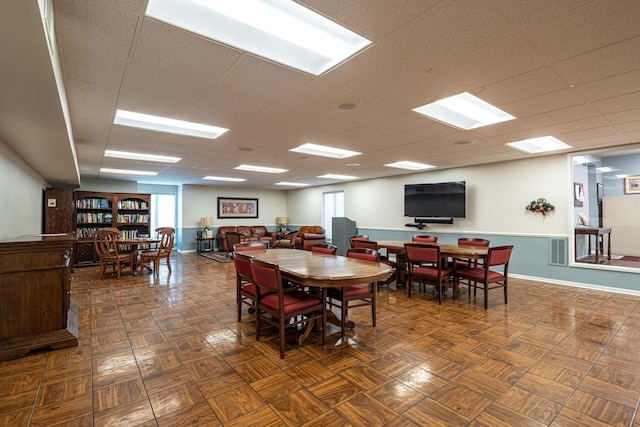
[(445, 199)]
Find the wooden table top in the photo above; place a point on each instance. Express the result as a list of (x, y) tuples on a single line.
[(446, 249), (321, 270)]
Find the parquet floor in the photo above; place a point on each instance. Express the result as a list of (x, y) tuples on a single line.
[(169, 352)]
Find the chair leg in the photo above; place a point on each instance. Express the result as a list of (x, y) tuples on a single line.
[(169, 262), (373, 309), (486, 296), (505, 291), (281, 320)]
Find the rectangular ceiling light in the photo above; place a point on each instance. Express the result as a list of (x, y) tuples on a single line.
[(251, 168), (282, 31), (291, 184), (163, 124), (141, 156), (336, 176), (539, 145), (413, 166), (464, 111), (321, 150), (223, 178), (127, 172)]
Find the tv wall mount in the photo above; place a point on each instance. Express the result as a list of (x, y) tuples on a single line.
[(419, 222)]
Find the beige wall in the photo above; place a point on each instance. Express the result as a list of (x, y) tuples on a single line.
[(622, 214)]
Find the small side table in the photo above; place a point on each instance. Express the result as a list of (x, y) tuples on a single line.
[(200, 243)]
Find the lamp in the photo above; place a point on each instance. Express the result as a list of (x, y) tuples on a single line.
[(206, 221), (282, 221)]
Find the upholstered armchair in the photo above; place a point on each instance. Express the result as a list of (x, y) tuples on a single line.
[(309, 235)]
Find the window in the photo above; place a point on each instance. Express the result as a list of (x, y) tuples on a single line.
[(163, 211), (333, 205)]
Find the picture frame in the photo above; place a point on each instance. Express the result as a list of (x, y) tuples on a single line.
[(578, 195), (237, 207), (632, 184)]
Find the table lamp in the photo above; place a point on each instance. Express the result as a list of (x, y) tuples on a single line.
[(206, 221), (282, 221)]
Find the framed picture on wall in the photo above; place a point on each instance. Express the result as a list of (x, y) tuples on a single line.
[(632, 184), (578, 195), (235, 207)]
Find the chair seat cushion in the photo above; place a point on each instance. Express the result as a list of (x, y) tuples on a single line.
[(113, 258), (249, 288), (349, 291), (388, 262), (293, 301), (149, 253), (431, 272), (477, 274)]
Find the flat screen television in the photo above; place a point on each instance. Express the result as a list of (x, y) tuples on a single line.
[(444, 200)]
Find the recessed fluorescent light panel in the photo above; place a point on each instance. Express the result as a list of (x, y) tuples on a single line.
[(413, 166), (321, 150), (251, 168), (141, 156), (607, 169), (291, 184), (127, 172), (163, 124), (539, 145), (335, 176), (222, 178), (464, 111), (282, 31)]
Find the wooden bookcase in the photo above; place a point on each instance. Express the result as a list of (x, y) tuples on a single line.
[(128, 212)]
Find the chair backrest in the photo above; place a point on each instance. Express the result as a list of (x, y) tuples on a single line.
[(250, 246), (418, 253), (324, 248), (366, 254), (424, 238), (365, 244), (166, 236), (266, 275), (232, 238), (105, 241), (470, 241), (242, 263), (357, 237), (499, 255)]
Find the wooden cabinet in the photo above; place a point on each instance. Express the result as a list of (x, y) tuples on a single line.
[(128, 212), (35, 307), (58, 210)]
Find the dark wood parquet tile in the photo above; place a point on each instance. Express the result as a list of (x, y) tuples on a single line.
[(168, 351)]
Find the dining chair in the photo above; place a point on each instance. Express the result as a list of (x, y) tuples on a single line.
[(357, 237), (469, 241), (161, 251), (371, 244), (245, 287), (426, 268), (250, 246), (232, 238), (105, 242), (424, 238), (324, 248), (485, 275), (362, 295), (289, 242), (284, 308)]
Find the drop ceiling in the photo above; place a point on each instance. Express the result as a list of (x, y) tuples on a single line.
[(570, 69)]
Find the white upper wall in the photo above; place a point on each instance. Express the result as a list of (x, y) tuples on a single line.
[(496, 198), (20, 195)]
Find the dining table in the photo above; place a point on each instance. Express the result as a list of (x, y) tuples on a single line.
[(134, 244), (319, 270), (452, 250)]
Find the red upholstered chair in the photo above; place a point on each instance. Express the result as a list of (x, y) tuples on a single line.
[(364, 294), (485, 275), (357, 237), (426, 268), (324, 248), (370, 244), (250, 246), (423, 238), (284, 308), (245, 288), (469, 241)]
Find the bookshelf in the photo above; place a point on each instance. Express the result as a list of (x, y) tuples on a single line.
[(128, 212)]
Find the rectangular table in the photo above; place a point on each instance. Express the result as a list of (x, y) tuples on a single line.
[(598, 233)]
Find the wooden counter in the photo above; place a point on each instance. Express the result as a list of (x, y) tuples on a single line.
[(35, 285)]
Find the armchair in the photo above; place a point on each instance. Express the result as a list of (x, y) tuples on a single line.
[(309, 235)]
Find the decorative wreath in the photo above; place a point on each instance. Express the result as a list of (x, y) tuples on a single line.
[(541, 205)]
